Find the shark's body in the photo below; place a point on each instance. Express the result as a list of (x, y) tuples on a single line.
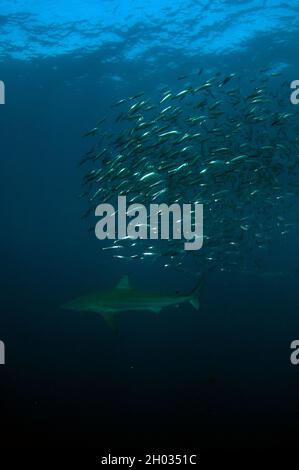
[(123, 298)]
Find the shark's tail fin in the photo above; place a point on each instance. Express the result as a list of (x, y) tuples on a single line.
[(194, 294)]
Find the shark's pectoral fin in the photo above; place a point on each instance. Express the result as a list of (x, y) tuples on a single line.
[(156, 310), (124, 283), (110, 321), (195, 303)]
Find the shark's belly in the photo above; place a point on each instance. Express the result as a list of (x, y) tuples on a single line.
[(139, 304)]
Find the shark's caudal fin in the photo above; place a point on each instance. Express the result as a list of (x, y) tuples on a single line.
[(194, 294)]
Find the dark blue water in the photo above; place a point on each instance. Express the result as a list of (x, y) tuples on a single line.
[(217, 377)]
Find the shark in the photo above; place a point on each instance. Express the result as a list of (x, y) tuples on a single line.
[(123, 297)]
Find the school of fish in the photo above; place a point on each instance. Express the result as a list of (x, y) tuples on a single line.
[(228, 142)]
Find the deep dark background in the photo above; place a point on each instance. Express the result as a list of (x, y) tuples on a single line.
[(220, 377)]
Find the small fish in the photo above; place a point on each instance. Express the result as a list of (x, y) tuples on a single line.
[(91, 132), (118, 103)]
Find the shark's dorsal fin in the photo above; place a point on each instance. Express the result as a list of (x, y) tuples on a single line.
[(123, 283)]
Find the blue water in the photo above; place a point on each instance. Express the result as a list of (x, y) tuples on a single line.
[(217, 377)]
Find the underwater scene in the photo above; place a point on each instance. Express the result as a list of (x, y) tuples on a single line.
[(149, 226)]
